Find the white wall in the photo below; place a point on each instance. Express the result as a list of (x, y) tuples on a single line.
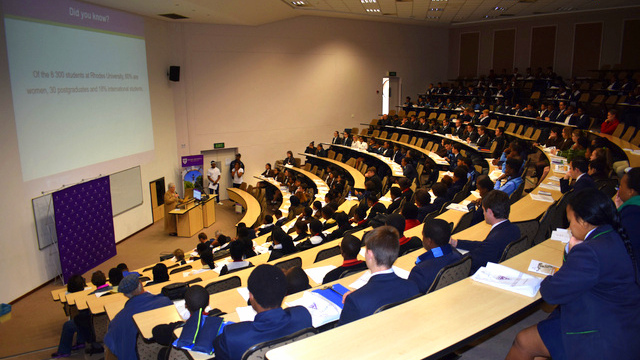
[(275, 87), (22, 266), (611, 50)]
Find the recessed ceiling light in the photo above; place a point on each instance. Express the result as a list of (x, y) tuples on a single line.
[(498, 8), (433, 17), (298, 3), (436, 9), (373, 10), (565, 8), (368, 1)]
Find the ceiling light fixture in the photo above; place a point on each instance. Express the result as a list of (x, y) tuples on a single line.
[(436, 9), (368, 1), (373, 10)]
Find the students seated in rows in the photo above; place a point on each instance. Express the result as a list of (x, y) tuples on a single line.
[(435, 239), (375, 206), (349, 248), (513, 180), (407, 244), (405, 188), (115, 276), (408, 170), (578, 172), (267, 225), (267, 287), (316, 206), (99, 280), (459, 180), (295, 208), (483, 186), (396, 199), (384, 286), (597, 291), (122, 332), (495, 206), (410, 214), (206, 258), (237, 251), (424, 205), (327, 219), (280, 219), (302, 231), (316, 238)]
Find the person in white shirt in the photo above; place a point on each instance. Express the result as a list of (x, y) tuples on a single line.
[(213, 174), (237, 173)]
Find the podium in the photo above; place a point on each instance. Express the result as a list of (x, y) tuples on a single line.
[(209, 211), (189, 219)]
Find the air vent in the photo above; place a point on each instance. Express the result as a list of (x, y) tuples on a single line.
[(174, 16)]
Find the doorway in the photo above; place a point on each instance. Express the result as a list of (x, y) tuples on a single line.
[(222, 157)]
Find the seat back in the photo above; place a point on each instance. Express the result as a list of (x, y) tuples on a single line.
[(180, 269), (517, 194), (339, 157), (515, 247), (147, 350), (629, 133), (528, 228), (394, 136), (389, 306), (451, 274), (178, 354), (618, 131), (464, 222), (222, 285), (287, 264), (331, 154), (327, 253), (100, 325), (259, 351)]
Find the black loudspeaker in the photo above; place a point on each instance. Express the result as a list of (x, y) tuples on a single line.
[(174, 73)]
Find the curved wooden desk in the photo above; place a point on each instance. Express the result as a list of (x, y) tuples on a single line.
[(248, 202), (395, 169), (634, 159), (358, 178)]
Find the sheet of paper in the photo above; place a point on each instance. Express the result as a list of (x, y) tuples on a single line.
[(182, 309), (458, 207), (545, 198), (562, 169), (506, 278), (549, 186), (322, 310), (542, 268), (244, 292), (246, 313), (476, 194), (554, 178), (563, 235), (317, 274)]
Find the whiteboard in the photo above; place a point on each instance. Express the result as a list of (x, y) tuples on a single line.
[(126, 190), (45, 220)]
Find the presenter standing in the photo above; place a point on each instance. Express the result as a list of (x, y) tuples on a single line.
[(171, 200), (213, 174)]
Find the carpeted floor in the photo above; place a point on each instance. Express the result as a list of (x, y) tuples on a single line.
[(36, 320)]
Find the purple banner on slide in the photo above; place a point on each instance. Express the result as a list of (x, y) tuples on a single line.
[(76, 13), (192, 160), (84, 226)]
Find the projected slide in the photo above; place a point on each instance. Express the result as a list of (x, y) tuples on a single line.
[(79, 84)]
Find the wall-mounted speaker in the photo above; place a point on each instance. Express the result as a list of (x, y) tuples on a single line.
[(174, 73)]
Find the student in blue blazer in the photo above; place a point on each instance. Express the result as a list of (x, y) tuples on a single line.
[(267, 288), (628, 203), (495, 206), (597, 291), (384, 286)]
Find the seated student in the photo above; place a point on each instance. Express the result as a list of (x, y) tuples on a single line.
[(125, 269), (316, 206), (115, 276), (597, 291), (472, 174), (375, 206), (121, 335), (246, 236), (267, 288), (359, 220), (301, 229), (178, 254), (440, 190), (435, 239), (342, 223), (511, 173), (236, 251), (396, 199), (80, 324), (160, 274), (206, 258), (316, 238), (610, 124), (455, 156), (483, 185), (408, 170), (327, 219), (99, 280), (384, 286), (423, 202), (282, 244), (280, 219), (459, 180), (296, 208), (297, 280), (495, 206), (578, 172), (405, 187), (203, 238), (578, 149), (484, 140), (628, 202), (406, 244), (289, 160), (349, 248), (410, 213), (267, 225)]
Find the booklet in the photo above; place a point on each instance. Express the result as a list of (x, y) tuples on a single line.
[(506, 278), (539, 267)]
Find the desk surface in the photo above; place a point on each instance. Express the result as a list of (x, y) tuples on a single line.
[(634, 160), (250, 204), (463, 310), (357, 176)]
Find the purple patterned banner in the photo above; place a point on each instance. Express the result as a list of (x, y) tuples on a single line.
[(84, 225), (192, 160)]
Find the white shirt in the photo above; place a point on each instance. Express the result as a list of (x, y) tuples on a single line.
[(363, 146), (213, 173), (237, 176)]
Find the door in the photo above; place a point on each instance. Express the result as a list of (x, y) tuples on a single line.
[(222, 157)]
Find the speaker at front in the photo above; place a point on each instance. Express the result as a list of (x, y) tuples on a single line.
[(174, 73)]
